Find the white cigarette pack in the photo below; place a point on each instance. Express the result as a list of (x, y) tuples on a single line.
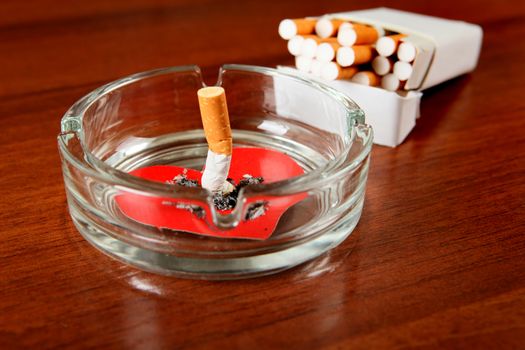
[(445, 50)]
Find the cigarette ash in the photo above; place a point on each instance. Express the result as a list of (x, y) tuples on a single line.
[(223, 201), (194, 209), (182, 180)]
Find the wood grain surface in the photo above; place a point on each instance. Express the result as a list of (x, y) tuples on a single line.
[(437, 260)]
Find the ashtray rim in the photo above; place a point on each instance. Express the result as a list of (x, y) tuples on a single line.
[(71, 123)]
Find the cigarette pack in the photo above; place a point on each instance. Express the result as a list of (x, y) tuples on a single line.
[(444, 49)]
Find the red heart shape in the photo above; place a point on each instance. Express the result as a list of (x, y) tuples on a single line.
[(163, 212)]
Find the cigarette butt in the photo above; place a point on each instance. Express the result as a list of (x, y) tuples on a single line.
[(387, 45), (315, 67), (357, 34), (215, 119), (390, 82), (382, 65), (327, 49), (358, 54), (309, 46), (333, 71), (295, 45), (288, 28), (366, 78), (402, 70), (303, 63), (326, 27), (406, 51)]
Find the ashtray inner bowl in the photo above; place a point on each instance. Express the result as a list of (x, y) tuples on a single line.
[(152, 118)]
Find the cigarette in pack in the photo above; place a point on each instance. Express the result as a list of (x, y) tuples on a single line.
[(327, 27), (386, 46), (327, 50), (303, 63), (288, 28), (367, 78), (309, 45), (350, 34), (355, 55), (333, 71), (391, 83), (406, 51), (295, 45), (382, 65), (402, 70)]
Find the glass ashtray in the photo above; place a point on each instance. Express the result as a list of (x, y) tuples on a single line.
[(152, 118)]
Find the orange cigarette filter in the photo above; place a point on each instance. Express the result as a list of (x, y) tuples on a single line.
[(332, 42), (288, 28), (363, 53), (346, 73), (215, 119), (365, 34), (328, 27), (333, 71), (369, 78), (397, 37), (304, 25), (313, 37), (387, 45)]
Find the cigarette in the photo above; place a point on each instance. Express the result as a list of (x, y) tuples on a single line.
[(303, 63), (327, 49), (390, 82), (326, 28), (357, 34), (406, 51), (387, 45), (315, 67), (382, 65), (333, 71), (358, 54), (309, 46), (295, 45), (288, 28), (366, 78), (216, 123), (402, 70)]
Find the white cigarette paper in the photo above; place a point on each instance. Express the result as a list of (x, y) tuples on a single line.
[(216, 172)]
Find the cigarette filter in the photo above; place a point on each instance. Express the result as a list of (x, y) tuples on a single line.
[(303, 63), (390, 82), (358, 54), (309, 46), (333, 71), (402, 70), (327, 49), (288, 28), (357, 34), (295, 45), (387, 45), (382, 65), (326, 27), (366, 78), (406, 51), (216, 123)]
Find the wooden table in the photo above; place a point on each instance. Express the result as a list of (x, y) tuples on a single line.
[(437, 260)]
